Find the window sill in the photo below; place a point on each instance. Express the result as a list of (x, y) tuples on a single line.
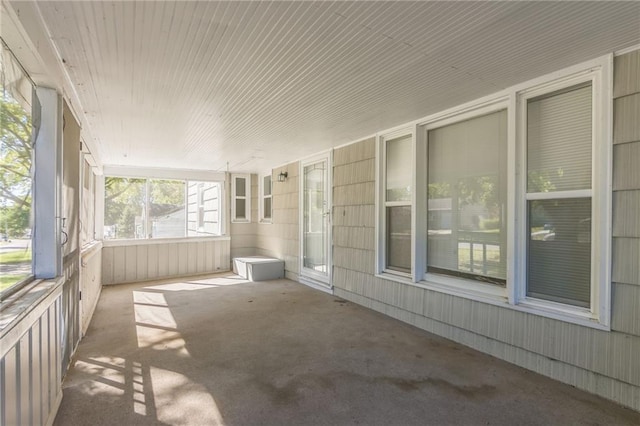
[(497, 296), (21, 309), (151, 241), (266, 222)]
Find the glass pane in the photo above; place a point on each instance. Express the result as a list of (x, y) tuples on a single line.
[(167, 211), (315, 220), (267, 208), (266, 185), (241, 190), (203, 208), (399, 168), (559, 257), (16, 151), (124, 208), (559, 141), (241, 204), (467, 192), (399, 238)]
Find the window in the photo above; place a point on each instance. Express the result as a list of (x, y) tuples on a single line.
[(507, 200), (565, 196), (16, 154), (467, 195), (265, 197), (87, 211), (241, 196), (397, 195), (161, 208)]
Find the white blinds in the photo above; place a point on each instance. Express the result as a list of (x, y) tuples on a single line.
[(466, 194), (559, 141), (399, 160), (559, 135)]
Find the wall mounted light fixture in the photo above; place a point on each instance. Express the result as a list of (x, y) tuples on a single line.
[(283, 176)]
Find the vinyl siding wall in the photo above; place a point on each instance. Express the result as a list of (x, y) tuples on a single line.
[(280, 239), (156, 259), (601, 362), (243, 235)]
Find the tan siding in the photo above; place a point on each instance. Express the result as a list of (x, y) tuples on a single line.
[(626, 126), (362, 215), (355, 152), (626, 260), (357, 194), (280, 239), (626, 74), (350, 173), (626, 213), (626, 309), (626, 166), (358, 260), (355, 237)]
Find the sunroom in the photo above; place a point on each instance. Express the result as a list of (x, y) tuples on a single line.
[(470, 169)]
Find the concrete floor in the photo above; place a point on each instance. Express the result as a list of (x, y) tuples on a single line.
[(221, 350)]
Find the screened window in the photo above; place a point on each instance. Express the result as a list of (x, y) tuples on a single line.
[(398, 199), (161, 208), (241, 196), (559, 157), (467, 194), (16, 154), (87, 213)]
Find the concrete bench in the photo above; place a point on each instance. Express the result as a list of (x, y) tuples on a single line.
[(258, 268)]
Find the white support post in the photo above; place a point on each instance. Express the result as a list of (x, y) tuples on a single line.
[(47, 253)]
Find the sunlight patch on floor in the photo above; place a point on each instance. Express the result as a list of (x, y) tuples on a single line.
[(175, 394), (155, 325)]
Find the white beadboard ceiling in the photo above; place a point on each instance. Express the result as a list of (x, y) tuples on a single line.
[(194, 85)]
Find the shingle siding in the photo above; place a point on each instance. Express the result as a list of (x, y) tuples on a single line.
[(602, 362)]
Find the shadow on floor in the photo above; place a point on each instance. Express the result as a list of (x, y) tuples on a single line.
[(222, 350)]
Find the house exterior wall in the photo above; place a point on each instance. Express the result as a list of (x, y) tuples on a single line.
[(211, 216), (626, 195), (280, 239), (243, 235), (602, 362)]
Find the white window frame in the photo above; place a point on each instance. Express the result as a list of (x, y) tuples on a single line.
[(246, 197), (381, 211), (462, 285), (262, 196), (599, 74), (513, 99), (115, 172)]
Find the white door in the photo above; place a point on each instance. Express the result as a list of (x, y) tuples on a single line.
[(315, 221)]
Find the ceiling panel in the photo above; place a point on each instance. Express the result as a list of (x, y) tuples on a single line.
[(251, 85)]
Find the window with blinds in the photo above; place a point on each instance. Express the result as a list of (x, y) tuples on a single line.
[(466, 197), (398, 197), (559, 153)]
